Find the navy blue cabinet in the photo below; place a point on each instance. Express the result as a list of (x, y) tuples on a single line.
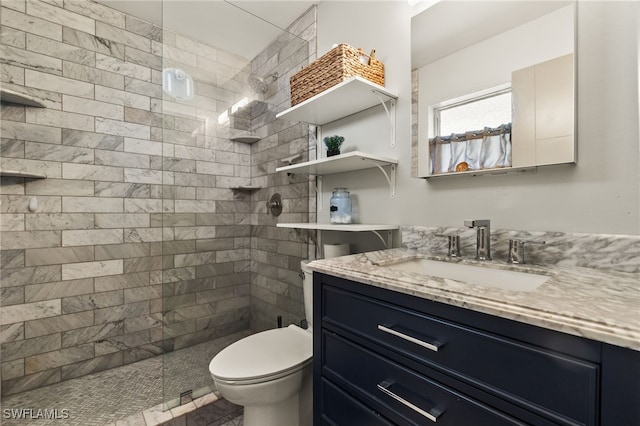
[(382, 357)]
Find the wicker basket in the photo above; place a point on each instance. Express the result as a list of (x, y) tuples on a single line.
[(335, 66)]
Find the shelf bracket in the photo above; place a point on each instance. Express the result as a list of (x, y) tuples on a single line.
[(391, 114), (391, 178), (318, 140), (386, 243), (319, 193), (319, 245)]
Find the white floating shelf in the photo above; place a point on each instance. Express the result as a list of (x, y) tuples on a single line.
[(11, 96), (354, 227), (347, 162), (488, 172), (349, 97), (16, 173)]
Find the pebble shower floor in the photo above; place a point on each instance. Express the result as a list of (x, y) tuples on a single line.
[(121, 393)]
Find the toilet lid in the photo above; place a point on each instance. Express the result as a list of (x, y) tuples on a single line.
[(263, 354)]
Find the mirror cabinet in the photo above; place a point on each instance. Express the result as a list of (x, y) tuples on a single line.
[(494, 86)]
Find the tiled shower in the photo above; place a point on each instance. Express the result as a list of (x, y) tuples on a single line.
[(151, 233)]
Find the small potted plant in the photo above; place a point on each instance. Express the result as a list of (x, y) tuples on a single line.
[(333, 144)]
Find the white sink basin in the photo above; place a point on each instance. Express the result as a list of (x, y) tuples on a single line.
[(488, 277)]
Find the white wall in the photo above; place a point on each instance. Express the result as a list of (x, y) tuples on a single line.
[(601, 194)]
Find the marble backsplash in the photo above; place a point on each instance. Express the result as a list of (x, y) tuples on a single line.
[(600, 251)]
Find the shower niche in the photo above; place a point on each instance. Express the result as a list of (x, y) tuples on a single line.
[(242, 121), (16, 98), (251, 112)]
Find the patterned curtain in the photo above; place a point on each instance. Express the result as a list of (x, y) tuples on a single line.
[(477, 150)]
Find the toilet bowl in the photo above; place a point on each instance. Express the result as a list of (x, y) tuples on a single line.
[(269, 373), (265, 372)]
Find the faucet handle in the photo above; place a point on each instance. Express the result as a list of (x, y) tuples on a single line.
[(516, 250), (476, 223), (454, 244)]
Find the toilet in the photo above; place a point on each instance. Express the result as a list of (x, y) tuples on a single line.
[(269, 373)]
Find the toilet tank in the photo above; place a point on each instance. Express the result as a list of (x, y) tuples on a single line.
[(307, 288)]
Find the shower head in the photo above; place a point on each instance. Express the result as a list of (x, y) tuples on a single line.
[(259, 84)]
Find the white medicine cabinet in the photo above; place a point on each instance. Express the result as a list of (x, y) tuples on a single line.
[(529, 50)]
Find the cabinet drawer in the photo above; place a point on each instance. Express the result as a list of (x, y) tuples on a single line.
[(339, 408), (559, 387), (403, 396)]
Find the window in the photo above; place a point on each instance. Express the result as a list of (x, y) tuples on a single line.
[(476, 113)]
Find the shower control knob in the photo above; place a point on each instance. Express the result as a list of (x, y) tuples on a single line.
[(274, 205)]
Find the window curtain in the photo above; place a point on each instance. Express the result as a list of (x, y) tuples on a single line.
[(482, 149)]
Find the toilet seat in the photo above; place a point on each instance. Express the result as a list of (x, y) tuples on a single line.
[(263, 356)]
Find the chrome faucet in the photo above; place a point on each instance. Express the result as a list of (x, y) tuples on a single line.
[(483, 238), (454, 244), (516, 250)]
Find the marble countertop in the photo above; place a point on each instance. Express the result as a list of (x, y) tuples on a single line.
[(602, 305)]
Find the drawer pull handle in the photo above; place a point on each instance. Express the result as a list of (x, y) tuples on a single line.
[(432, 414), (433, 346)]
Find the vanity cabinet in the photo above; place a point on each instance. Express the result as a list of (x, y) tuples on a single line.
[(383, 357)]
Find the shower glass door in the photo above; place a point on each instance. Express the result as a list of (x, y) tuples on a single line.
[(225, 75)]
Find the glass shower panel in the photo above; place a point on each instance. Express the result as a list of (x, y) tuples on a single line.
[(81, 345), (225, 74)]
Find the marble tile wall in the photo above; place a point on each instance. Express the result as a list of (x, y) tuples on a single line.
[(276, 287), (139, 244)]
